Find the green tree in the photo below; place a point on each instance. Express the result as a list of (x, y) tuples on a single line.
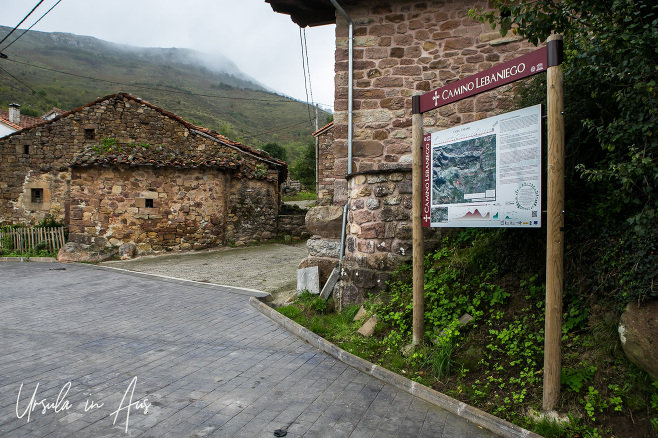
[(277, 151), (611, 112), (303, 169), (226, 129), (27, 111)]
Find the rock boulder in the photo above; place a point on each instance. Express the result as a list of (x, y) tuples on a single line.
[(638, 332), (79, 252), (127, 251), (325, 221)]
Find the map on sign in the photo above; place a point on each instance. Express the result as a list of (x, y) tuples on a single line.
[(486, 173), (465, 171)]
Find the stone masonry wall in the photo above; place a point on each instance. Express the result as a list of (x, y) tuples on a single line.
[(252, 211), (326, 161), (401, 48), (404, 48), (35, 161), (108, 207), (292, 225), (45, 150)]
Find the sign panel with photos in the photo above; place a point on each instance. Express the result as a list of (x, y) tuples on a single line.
[(484, 174)]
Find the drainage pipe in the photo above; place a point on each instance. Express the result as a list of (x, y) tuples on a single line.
[(350, 111), (350, 83), (342, 235)]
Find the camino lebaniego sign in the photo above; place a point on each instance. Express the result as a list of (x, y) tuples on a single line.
[(504, 73), (484, 174)]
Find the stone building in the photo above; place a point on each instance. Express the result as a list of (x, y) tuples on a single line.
[(400, 48), (121, 170), (326, 159)]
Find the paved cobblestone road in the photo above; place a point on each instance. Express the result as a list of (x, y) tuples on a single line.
[(270, 268), (117, 354)]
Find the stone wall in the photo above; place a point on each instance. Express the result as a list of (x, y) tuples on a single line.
[(36, 161), (42, 153), (252, 211), (326, 159), (401, 48), (404, 48), (109, 207), (187, 208), (293, 225)]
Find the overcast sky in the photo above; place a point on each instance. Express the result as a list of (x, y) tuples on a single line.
[(261, 42)]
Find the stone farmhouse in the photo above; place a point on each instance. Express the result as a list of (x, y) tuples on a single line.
[(396, 49), (121, 170)]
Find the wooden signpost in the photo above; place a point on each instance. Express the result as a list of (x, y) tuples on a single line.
[(547, 58)]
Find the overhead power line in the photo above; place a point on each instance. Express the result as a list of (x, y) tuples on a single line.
[(272, 131), (246, 137), (14, 29), (301, 42), (27, 86), (308, 69), (169, 90), (34, 24)]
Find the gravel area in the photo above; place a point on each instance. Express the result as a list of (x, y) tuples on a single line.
[(269, 268)]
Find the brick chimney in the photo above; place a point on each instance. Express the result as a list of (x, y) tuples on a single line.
[(15, 113)]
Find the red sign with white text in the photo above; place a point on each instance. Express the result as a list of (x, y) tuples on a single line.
[(427, 180), (502, 74)]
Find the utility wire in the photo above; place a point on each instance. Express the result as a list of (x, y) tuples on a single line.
[(308, 69), (169, 90), (14, 29), (246, 137), (274, 130), (308, 108), (25, 31), (27, 86)]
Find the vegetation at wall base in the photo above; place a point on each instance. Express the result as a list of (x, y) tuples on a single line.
[(39, 250), (495, 361)]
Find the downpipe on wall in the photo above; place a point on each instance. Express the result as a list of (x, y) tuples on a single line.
[(350, 115)]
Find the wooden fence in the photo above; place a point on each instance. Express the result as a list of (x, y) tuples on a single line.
[(25, 239)]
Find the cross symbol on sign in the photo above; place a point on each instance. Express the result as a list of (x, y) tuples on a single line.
[(426, 218), (436, 97)]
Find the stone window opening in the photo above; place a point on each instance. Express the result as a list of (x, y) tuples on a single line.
[(146, 202), (26, 149), (37, 196), (90, 134)]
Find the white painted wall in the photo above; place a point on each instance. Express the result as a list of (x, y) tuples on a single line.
[(5, 130)]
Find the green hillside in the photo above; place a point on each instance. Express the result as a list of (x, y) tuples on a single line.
[(46, 70)]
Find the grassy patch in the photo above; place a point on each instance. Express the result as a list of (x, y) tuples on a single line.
[(495, 362), (301, 196)]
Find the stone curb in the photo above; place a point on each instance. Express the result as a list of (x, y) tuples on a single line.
[(461, 409), (230, 289), (29, 259)]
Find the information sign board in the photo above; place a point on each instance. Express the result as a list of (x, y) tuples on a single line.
[(496, 76), (484, 174)]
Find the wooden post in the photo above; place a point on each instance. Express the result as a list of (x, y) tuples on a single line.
[(555, 225), (418, 243)]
